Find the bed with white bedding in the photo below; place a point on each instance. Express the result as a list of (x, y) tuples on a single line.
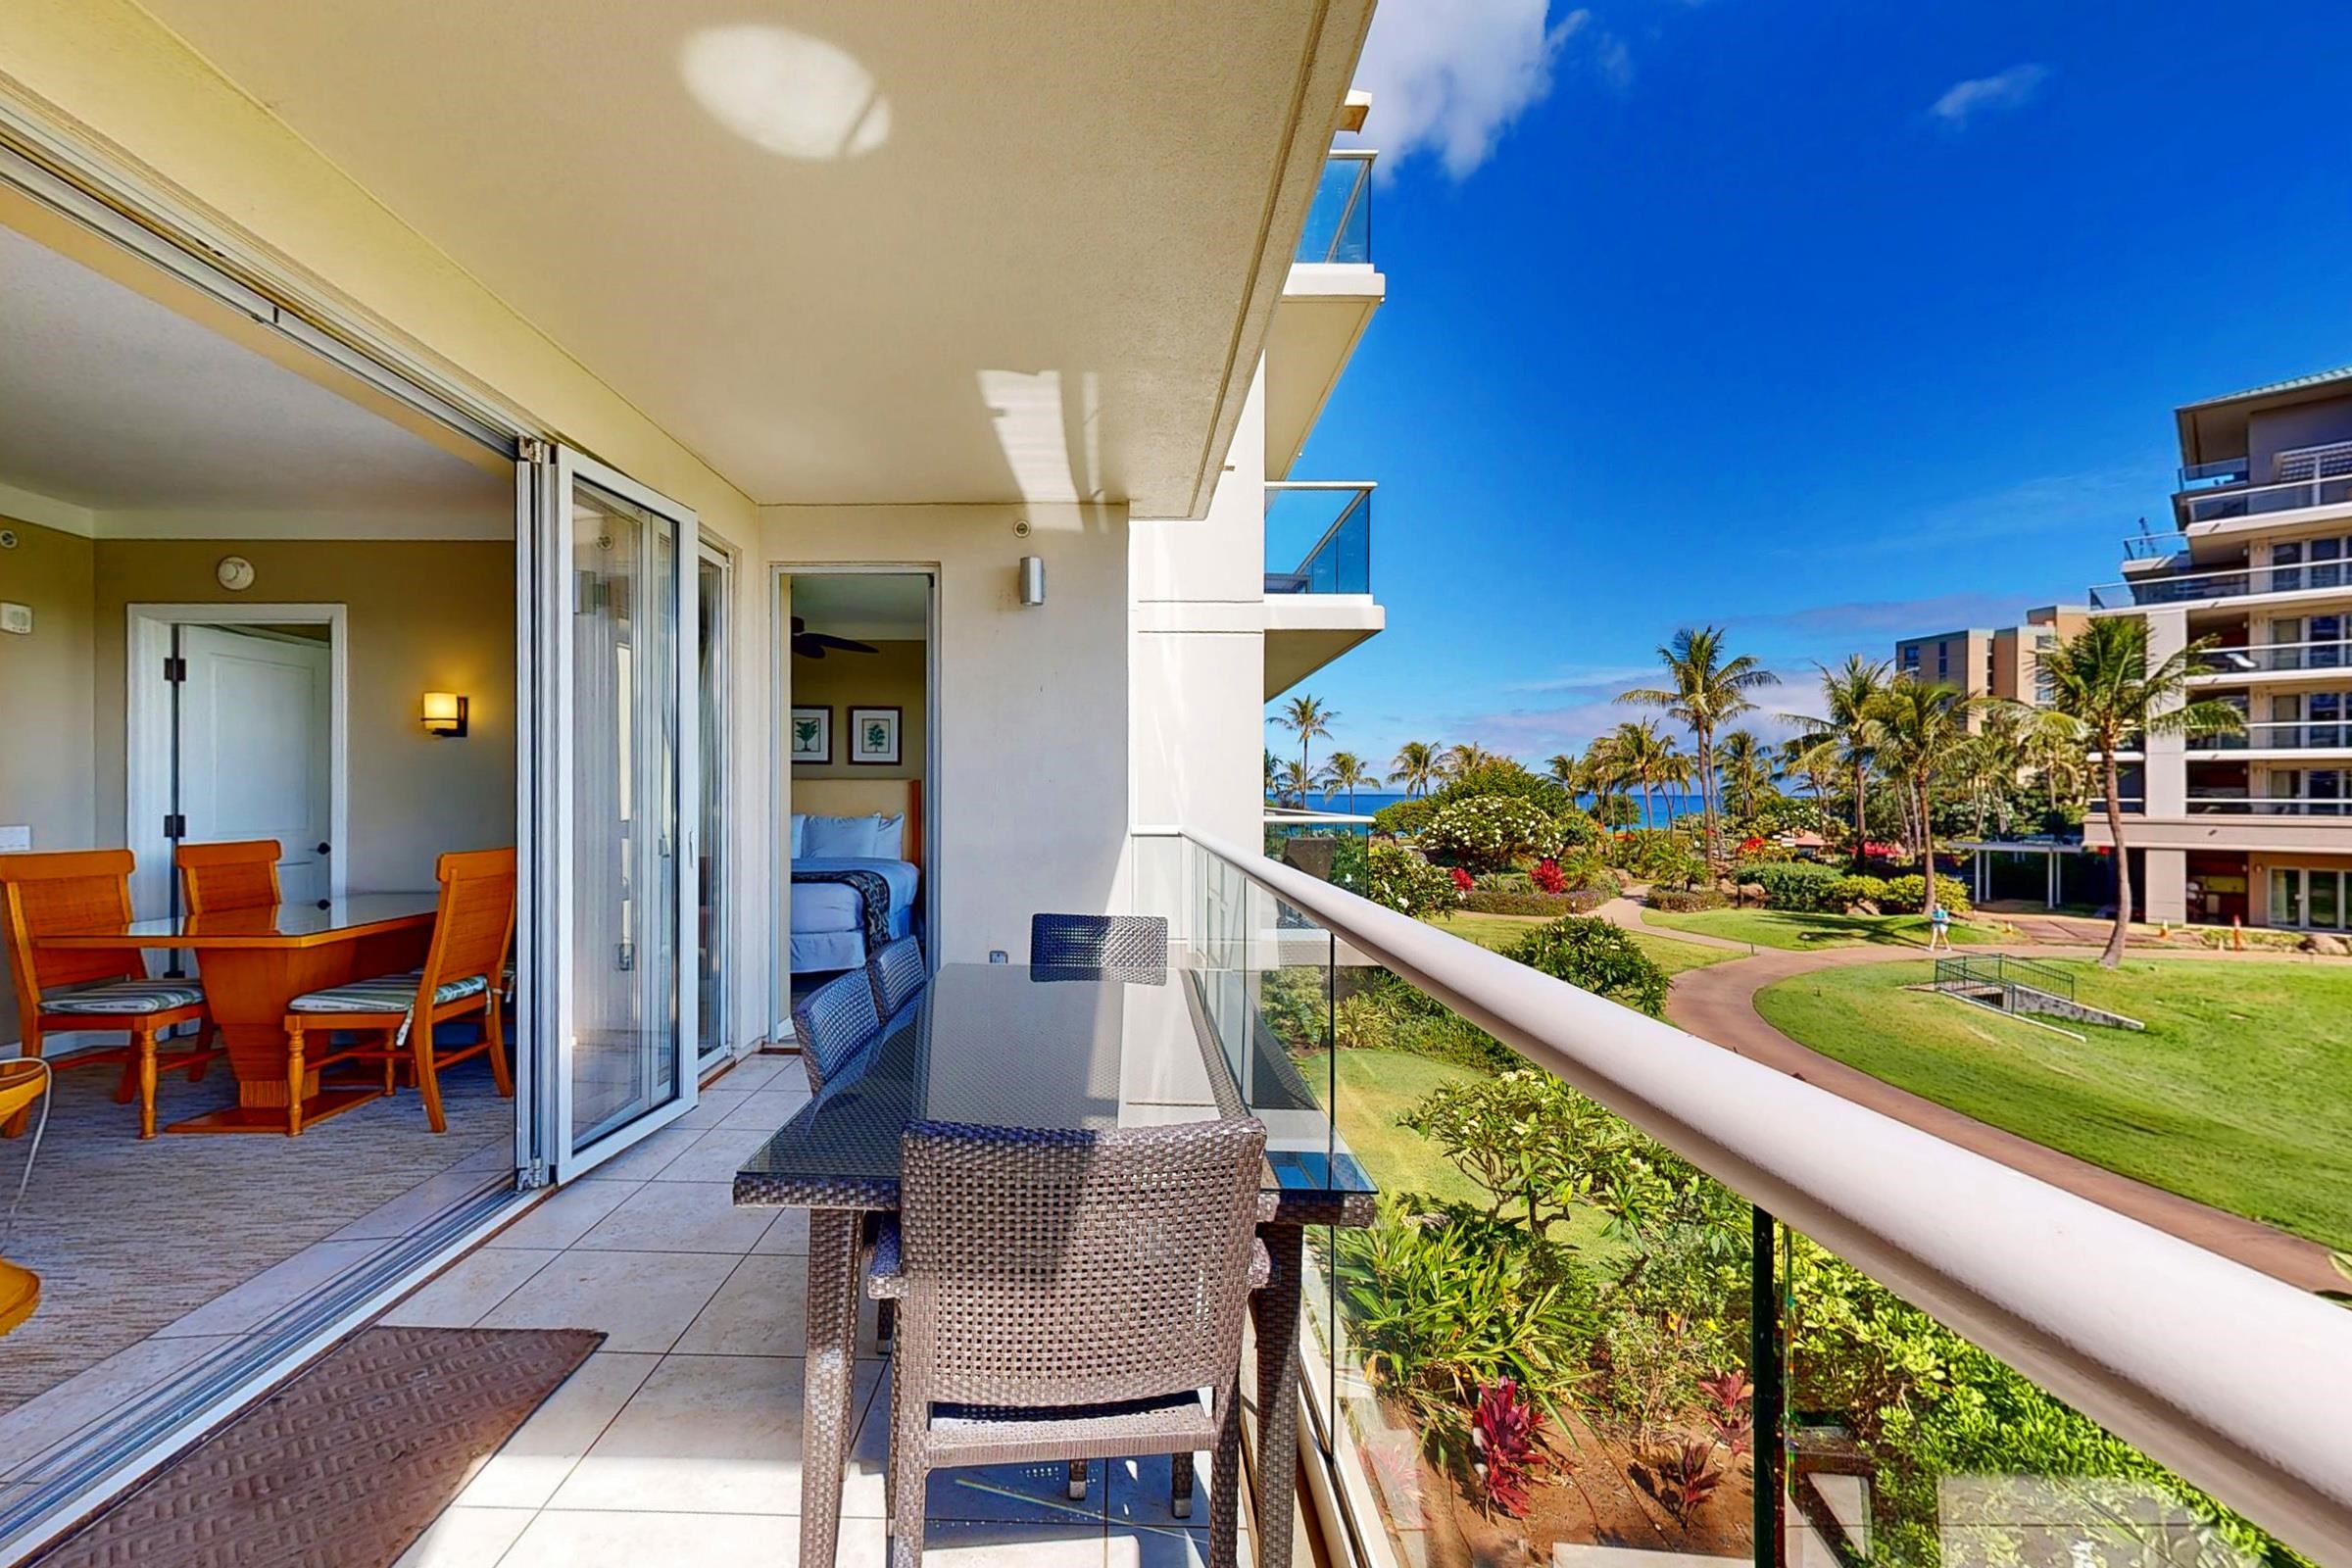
[(841, 863)]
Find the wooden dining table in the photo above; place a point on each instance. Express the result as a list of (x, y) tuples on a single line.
[(253, 962)]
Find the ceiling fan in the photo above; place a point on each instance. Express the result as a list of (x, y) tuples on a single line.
[(807, 644)]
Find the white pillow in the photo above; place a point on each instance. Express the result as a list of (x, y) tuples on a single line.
[(800, 833), (840, 838), (890, 836)]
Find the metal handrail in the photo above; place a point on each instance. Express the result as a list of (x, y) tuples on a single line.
[(2235, 1380), (2225, 503), (2173, 588), (2251, 659)]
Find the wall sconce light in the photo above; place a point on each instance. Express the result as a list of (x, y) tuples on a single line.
[(445, 714), (1033, 580)]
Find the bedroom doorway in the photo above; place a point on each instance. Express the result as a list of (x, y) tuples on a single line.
[(856, 686)]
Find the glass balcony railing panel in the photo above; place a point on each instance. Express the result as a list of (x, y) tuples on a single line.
[(2271, 658), (2238, 582), (2320, 736), (1907, 1447), (1318, 538), (1339, 222), (2240, 804), (2221, 505)]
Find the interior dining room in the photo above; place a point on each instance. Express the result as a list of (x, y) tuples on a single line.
[(257, 809)]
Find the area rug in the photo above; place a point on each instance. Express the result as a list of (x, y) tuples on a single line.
[(344, 1464)]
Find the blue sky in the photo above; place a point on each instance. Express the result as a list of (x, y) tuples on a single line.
[(1824, 321)]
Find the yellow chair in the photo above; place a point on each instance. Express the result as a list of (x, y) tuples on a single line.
[(21, 1084)]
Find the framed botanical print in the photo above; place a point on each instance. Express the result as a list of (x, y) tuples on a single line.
[(874, 736), (812, 735)]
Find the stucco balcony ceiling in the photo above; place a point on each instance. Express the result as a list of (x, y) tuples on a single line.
[(1015, 249)]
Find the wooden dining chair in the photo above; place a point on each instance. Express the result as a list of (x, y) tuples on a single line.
[(237, 875), (104, 989), (471, 931)]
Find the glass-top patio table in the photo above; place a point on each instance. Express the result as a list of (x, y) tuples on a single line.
[(1011, 1045)]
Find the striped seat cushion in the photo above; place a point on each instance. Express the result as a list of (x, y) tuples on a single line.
[(387, 993), (127, 996)]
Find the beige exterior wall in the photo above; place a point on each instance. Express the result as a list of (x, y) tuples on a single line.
[(2261, 865), (45, 687), (1027, 798)]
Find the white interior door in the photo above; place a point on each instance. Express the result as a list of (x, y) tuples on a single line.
[(618, 809), (256, 717)]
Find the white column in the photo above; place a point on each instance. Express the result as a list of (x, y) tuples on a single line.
[(2166, 895), (2165, 768)]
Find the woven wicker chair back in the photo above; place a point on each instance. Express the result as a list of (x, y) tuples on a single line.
[(66, 891), (242, 875), (833, 1023), (897, 972), (1064, 1267), (1099, 941), (475, 919)]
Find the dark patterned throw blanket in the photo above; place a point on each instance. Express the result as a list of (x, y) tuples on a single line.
[(874, 894)]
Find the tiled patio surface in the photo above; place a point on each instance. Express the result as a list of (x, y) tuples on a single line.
[(679, 1441)]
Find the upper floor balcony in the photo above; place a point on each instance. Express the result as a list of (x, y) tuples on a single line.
[(2322, 736), (1319, 601), (2302, 479), (2150, 590), (2224, 666), (1327, 301)]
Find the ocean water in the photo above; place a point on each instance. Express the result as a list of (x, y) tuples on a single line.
[(1664, 807)]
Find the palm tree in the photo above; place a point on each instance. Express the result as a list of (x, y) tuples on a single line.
[(1415, 767), (1307, 719), (1703, 689), (1923, 732), (1749, 770), (1344, 770), (1645, 754), (2102, 681), (1604, 773), (1292, 783), (1461, 757), (1844, 736), (1270, 771)]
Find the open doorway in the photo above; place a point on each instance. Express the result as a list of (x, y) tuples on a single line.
[(240, 586), (858, 682)]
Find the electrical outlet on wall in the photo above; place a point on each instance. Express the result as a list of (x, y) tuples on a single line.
[(17, 619), (15, 837)]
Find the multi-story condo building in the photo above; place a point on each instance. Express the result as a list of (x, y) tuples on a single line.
[(1992, 661), (2254, 827)]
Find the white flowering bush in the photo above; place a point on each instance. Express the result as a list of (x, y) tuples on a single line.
[(1492, 831), (1408, 884)]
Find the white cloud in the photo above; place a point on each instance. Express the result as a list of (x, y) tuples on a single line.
[(1450, 76), (2013, 88)]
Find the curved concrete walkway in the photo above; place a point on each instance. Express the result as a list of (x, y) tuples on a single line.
[(1718, 1004)]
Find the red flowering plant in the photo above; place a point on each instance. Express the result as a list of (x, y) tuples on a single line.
[(1462, 879), (1549, 877), (1506, 1447)]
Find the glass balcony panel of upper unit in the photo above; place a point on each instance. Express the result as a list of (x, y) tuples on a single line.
[(1318, 538), (1339, 223), (2321, 565), (2301, 479)]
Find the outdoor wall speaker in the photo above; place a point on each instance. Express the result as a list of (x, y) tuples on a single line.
[(1033, 580)]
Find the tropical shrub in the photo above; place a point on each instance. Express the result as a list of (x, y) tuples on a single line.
[(1686, 901), (1506, 1447), (1407, 883), (1503, 777), (1805, 885), (1908, 895), (1387, 1014), (1463, 881), (1351, 864), (1658, 855), (1490, 831), (1578, 828), (1404, 819), (1596, 957), (1853, 890), (1576, 901), (1446, 1301), (1545, 876)]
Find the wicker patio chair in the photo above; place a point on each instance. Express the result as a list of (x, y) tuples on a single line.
[(1069, 1295), (1110, 946), (898, 975), (833, 1024)]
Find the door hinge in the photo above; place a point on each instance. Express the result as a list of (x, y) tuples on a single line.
[(176, 826), (534, 1176), (176, 669)]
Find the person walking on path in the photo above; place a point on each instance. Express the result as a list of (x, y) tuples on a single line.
[(1939, 928)]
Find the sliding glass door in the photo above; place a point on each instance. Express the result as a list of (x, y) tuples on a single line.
[(620, 810)]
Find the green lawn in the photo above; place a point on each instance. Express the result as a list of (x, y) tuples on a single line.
[(1797, 932), (2238, 1094), (1500, 931)]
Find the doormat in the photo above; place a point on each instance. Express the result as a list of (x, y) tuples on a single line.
[(344, 1464)]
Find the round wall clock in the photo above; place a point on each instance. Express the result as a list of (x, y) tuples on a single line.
[(235, 573)]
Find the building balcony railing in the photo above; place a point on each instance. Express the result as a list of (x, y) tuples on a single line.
[(2275, 659), (1339, 222), (2238, 582), (2278, 737), (2153, 546), (2237, 802), (2307, 476), (1319, 537), (1759, 1320)]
